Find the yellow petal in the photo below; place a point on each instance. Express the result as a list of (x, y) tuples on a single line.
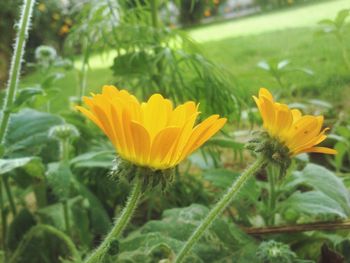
[(141, 141), (201, 133), (91, 116), (162, 145), (182, 113), (264, 92), (103, 117), (129, 149), (159, 108), (303, 131), (320, 150), (110, 91), (296, 114), (269, 113), (283, 122)]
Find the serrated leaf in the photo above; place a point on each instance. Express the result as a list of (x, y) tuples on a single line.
[(60, 177), (221, 243)]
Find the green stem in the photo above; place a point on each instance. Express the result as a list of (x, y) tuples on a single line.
[(83, 71), (64, 149), (272, 196), (219, 208), (15, 68), (66, 216), (154, 13), (120, 224), (157, 76), (9, 195), (3, 219)]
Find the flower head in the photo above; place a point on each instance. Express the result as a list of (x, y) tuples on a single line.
[(298, 133), (150, 134)]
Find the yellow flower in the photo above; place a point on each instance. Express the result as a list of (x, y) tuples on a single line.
[(151, 134), (298, 133)]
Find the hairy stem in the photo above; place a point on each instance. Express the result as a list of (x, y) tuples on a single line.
[(16, 62), (272, 195), (120, 224), (219, 208)]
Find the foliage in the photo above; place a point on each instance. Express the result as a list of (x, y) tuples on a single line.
[(336, 27), (153, 58), (161, 239)]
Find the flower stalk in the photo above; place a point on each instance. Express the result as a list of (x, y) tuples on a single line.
[(220, 207), (120, 224), (15, 69)]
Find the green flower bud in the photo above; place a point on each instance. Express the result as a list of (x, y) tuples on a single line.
[(63, 132)]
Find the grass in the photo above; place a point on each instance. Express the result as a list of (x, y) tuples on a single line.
[(293, 17), (241, 44)]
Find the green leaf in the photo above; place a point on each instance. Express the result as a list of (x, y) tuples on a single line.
[(23, 221), (221, 243), (341, 17), (101, 159), (28, 131), (60, 177), (328, 183), (132, 63), (264, 65), (327, 22), (45, 244), (282, 64), (226, 143), (25, 94), (24, 171), (313, 203), (221, 178)]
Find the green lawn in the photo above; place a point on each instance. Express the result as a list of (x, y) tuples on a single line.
[(240, 44)]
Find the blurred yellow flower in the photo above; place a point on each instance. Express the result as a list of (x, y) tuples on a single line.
[(42, 7), (298, 133), (151, 134), (63, 30), (207, 13)]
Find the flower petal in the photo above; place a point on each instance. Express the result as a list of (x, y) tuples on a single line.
[(320, 150), (142, 143), (162, 146)]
